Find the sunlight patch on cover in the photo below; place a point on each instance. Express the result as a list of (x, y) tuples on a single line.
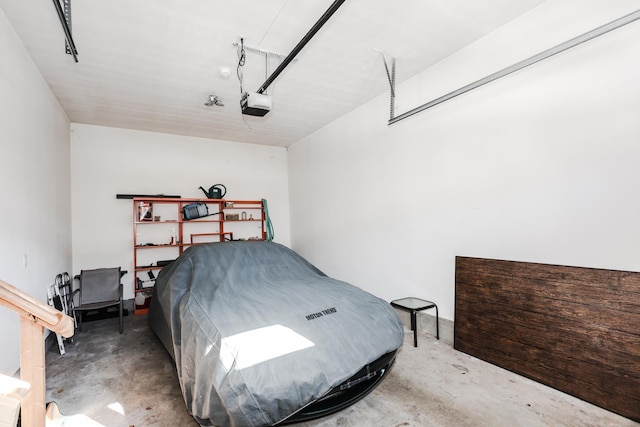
[(259, 345)]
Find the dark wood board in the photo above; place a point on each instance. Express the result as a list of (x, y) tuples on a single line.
[(575, 329)]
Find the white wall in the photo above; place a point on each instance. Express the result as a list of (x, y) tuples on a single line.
[(109, 161), (35, 218), (539, 166)]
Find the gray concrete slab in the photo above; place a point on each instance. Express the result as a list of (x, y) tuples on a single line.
[(128, 380)]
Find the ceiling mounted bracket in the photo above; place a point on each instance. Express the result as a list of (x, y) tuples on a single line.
[(64, 14), (392, 83), (267, 55), (66, 7)]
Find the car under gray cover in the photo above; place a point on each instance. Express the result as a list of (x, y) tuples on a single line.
[(258, 334)]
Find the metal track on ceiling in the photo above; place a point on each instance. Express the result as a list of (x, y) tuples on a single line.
[(316, 27), (613, 25), (65, 19)]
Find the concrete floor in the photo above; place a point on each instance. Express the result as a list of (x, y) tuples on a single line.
[(108, 379)]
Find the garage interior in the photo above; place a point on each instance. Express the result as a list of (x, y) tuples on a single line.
[(537, 166)]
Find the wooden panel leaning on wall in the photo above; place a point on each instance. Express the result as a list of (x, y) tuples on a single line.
[(574, 329)]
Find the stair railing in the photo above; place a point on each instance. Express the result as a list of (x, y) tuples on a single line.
[(34, 317)]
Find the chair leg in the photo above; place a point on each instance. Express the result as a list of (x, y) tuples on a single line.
[(414, 327), (121, 326), (437, 324), (79, 319)]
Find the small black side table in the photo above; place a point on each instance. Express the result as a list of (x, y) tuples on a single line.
[(413, 305)]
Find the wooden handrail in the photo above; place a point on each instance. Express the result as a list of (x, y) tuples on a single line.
[(41, 313), (34, 317)]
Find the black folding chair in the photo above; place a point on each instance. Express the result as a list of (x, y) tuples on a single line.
[(99, 288)]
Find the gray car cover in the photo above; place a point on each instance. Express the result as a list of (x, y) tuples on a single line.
[(257, 332)]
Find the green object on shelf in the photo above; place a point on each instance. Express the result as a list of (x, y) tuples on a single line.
[(268, 224)]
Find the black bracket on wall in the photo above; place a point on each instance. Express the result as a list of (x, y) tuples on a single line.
[(65, 20)]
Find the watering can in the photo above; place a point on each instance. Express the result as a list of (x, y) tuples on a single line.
[(215, 191)]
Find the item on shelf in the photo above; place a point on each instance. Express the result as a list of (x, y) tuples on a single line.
[(141, 284), (139, 299), (232, 217), (145, 211), (215, 191), (195, 210), (148, 196), (142, 300)]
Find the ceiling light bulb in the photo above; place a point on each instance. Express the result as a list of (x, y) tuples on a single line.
[(214, 100), (225, 72)]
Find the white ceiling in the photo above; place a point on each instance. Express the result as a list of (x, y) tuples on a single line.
[(151, 64)]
